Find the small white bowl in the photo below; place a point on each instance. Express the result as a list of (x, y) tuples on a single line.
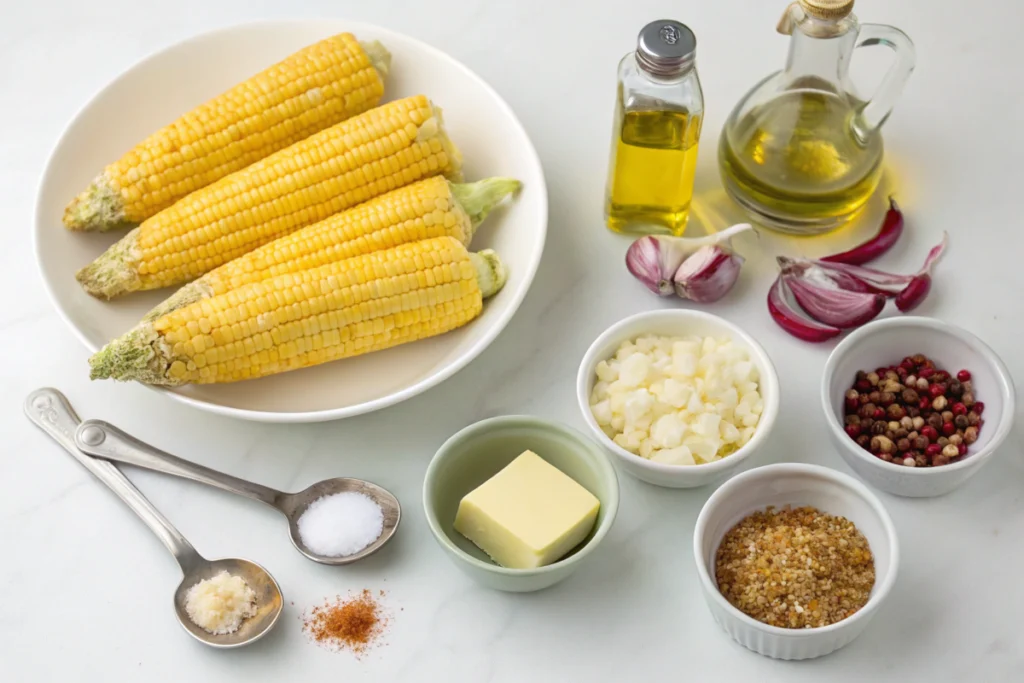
[(794, 484), (885, 343), (677, 322)]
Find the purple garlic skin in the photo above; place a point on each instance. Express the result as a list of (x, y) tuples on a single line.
[(708, 274), (701, 269), (652, 265)]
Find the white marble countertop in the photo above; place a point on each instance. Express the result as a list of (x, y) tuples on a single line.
[(87, 590)]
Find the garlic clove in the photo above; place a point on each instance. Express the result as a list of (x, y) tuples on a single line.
[(708, 274), (652, 265), (654, 260)]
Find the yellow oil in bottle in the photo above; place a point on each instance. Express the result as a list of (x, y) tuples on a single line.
[(650, 183), (796, 161)]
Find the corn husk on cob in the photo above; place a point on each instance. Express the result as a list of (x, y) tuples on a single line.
[(330, 171), (310, 90), (297, 320), (434, 207)]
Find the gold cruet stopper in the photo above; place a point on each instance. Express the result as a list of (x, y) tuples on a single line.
[(825, 10)]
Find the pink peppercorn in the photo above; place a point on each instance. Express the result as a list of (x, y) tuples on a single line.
[(936, 390), (853, 431), (879, 414), (926, 372), (948, 428), (930, 433), (933, 450), (963, 376), (962, 449), (978, 407), (959, 408)]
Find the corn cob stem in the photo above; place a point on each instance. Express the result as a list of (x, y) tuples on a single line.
[(477, 199), (379, 56), (144, 355), (114, 271), (98, 207)]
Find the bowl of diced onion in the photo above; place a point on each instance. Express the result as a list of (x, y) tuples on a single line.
[(681, 398)]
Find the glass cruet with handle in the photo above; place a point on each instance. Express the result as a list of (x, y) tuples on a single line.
[(801, 152)]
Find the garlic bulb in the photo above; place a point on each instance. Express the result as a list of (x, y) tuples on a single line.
[(701, 269)]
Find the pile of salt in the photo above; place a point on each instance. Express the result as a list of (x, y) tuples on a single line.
[(341, 524)]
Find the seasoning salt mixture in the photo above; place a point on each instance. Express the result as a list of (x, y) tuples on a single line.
[(354, 624), (795, 567), (341, 524)]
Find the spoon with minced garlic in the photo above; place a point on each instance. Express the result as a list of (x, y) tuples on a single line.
[(223, 603)]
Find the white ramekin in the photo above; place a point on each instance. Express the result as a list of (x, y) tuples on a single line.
[(887, 342), (794, 484), (677, 322)]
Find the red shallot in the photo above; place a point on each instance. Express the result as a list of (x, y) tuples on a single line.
[(793, 321), (841, 294), (921, 283), (834, 306)]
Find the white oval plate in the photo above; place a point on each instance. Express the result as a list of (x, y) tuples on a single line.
[(169, 83)]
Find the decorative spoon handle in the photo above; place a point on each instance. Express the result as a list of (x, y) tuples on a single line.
[(52, 412), (104, 440)]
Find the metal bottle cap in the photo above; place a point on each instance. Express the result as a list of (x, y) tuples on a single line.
[(827, 9), (666, 48)]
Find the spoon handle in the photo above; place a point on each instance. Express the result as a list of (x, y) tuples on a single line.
[(104, 440), (52, 413)]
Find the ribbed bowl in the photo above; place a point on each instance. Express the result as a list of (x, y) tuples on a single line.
[(794, 484)]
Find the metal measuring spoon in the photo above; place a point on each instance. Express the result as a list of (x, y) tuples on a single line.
[(106, 441), (52, 412)]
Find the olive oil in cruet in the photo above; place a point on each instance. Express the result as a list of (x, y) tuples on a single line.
[(801, 152)]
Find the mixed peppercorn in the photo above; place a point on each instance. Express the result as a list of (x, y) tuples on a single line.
[(914, 414)]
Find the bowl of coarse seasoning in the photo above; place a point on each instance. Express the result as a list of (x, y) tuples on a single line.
[(821, 532)]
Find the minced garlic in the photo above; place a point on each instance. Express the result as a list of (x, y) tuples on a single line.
[(220, 604)]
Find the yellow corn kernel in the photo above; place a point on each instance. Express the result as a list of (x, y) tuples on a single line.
[(303, 184), (304, 318), (313, 89)]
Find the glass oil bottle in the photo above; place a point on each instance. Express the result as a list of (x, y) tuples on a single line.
[(658, 115), (801, 152)]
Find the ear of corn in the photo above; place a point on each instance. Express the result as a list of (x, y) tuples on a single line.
[(433, 207), (347, 308), (333, 170), (312, 89)]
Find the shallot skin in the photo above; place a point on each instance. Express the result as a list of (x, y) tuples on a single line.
[(915, 293), (792, 322), (835, 306)]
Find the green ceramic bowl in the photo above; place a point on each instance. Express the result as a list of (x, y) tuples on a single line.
[(480, 451)]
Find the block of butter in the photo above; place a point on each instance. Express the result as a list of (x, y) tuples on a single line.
[(528, 515)]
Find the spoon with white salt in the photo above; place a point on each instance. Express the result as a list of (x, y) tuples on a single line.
[(52, 412), (335, 521)]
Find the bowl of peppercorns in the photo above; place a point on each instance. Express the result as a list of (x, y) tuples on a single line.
[(916, 406)]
